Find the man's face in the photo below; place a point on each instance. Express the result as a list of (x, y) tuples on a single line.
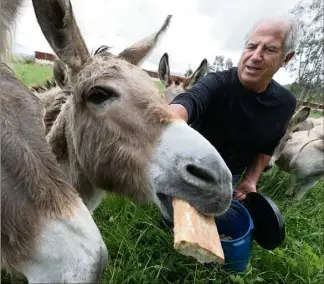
[(263, 55)]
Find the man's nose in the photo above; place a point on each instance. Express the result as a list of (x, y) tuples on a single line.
[(257, 54)]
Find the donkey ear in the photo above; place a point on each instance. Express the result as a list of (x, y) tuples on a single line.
[(164, 70), (57, 22), (197, 75), (135, 53), (300, 116)]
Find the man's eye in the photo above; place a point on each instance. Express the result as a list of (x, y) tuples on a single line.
[(271, 50)]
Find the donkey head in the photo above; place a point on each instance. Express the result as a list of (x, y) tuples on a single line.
[(298, 117), (175, 87), (115, 132)]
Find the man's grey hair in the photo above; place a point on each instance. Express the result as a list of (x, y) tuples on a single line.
[(291, 31)]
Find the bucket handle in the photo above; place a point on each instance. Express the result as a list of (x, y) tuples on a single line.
[(239, 243)]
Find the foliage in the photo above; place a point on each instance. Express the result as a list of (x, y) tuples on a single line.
[(228, 63), (188, 72), (307, 64), (220, 64)]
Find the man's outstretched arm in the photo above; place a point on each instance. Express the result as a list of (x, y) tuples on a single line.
[(192, 104), (252, 176)]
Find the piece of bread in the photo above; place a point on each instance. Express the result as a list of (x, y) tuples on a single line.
[(196, 235)]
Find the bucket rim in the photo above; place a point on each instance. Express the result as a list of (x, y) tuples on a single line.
[(251, 226)]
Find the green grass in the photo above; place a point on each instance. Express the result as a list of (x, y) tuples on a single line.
[(316, 113), (141, 252), (31, 73), (159, 85)]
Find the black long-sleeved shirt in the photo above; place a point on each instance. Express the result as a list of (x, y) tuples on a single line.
[(237, 122)]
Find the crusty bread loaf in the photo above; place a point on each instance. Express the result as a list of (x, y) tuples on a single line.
[(196, 235)]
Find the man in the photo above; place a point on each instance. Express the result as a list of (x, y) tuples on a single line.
[(242, 111)]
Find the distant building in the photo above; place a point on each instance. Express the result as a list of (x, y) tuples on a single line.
[(44, 58)]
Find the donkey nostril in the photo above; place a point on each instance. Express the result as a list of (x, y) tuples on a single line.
[(200, 173)]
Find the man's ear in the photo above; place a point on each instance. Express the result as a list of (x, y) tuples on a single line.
[(289, 56)]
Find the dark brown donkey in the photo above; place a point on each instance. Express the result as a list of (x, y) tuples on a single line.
[(47, 233)]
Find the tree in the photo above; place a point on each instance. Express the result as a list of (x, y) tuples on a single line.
[(307, 64), (220, 64), (229, 63), (210, 68), (188, 72)]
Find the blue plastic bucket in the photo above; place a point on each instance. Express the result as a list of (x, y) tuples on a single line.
[(238, 224)]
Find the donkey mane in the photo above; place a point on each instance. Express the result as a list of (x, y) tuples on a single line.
[(103, 49), (49, 84), (54, 109), (53, 92), (45, 86)]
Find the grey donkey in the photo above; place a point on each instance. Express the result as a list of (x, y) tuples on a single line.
[(301, 154), (47, 233), (115, 134)]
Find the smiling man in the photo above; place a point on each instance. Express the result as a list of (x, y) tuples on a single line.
[(242, 111)]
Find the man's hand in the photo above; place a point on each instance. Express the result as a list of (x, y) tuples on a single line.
[(244, 188), (251, 176), (179, 110)]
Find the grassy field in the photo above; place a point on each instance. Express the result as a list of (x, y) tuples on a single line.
[(141, 252), (32, 73)]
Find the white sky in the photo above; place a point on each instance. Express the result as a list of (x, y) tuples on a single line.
[(199, 28)]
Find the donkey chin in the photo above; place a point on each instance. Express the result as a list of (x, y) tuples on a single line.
[(185, 165)]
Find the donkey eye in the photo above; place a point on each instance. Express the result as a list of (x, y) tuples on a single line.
[(98, 95)]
